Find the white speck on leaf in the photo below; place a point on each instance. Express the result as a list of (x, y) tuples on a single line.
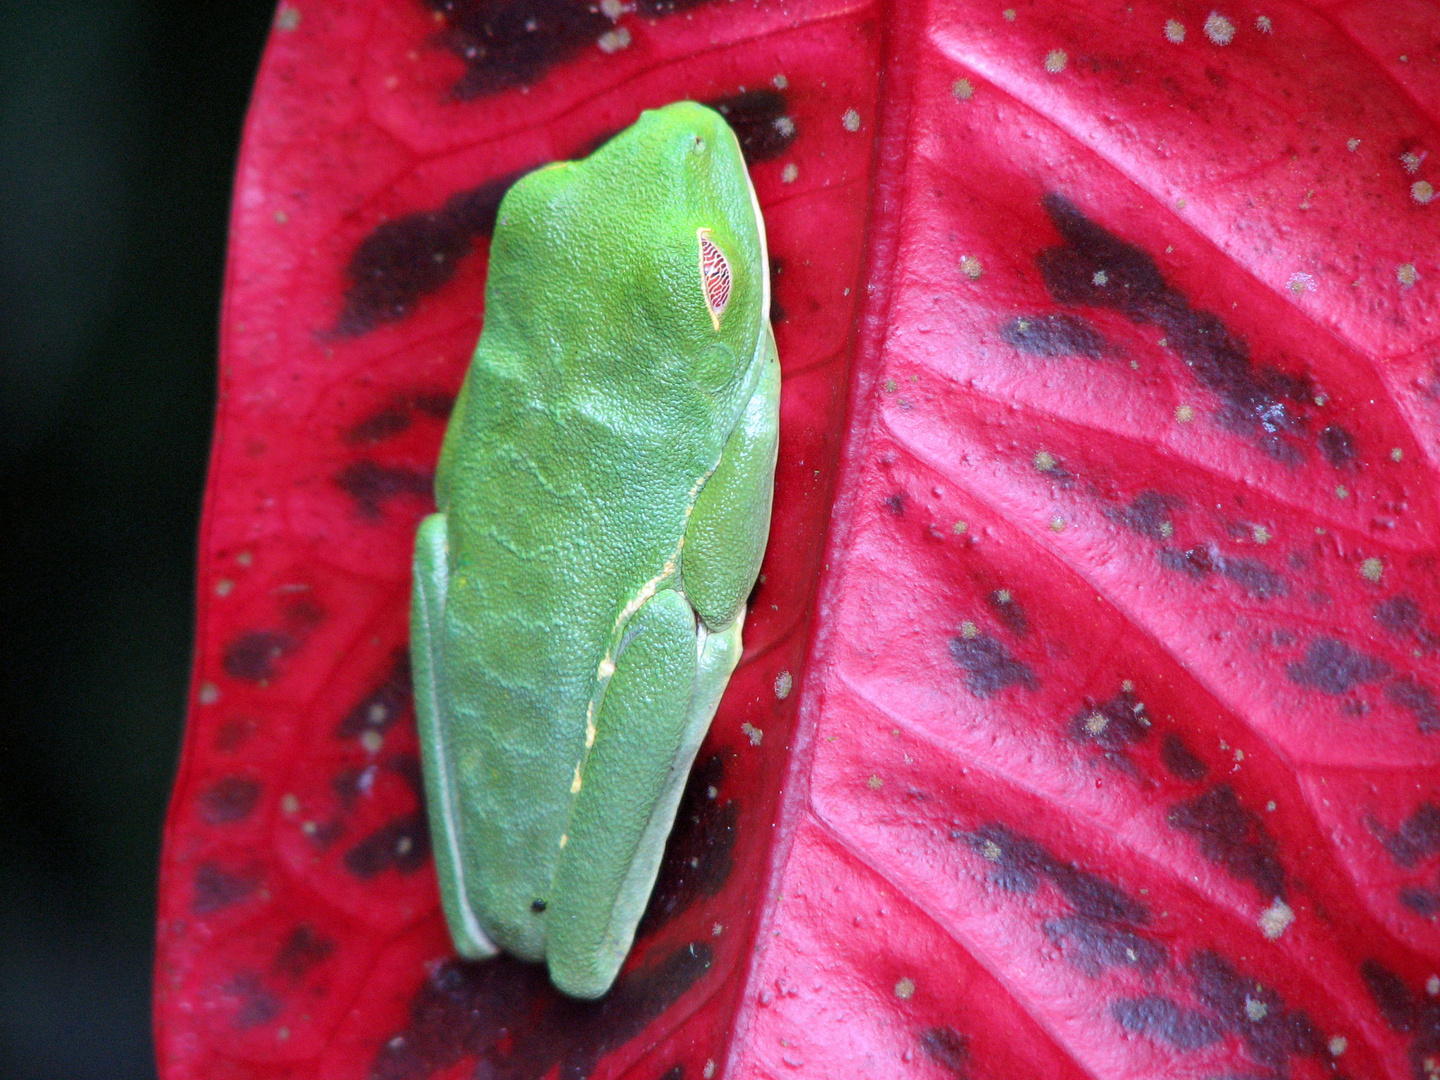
[(789, 173), (784, 683), (1405, 274), (1338, 1045), (1372, 569), (1255, 1010), (1276, 919), (1055, 61), (1422, 191), (905, 989), (1219, 29), (1174, 31), (1300, 283), (613, 41), (209, 693), (753, 733), (970, 267), (1263, 24), (851, 120), (962, 89)]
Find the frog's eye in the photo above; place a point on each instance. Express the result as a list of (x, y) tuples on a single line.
[(715, 277)]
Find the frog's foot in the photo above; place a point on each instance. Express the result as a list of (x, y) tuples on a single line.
[(650, 722), (427, 614)]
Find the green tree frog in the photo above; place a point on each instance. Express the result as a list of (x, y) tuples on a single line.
[(604, 498)]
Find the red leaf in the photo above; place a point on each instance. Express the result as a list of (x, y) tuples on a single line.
[(1100, 741)]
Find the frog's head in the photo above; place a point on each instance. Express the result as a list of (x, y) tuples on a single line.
[(653, 247)]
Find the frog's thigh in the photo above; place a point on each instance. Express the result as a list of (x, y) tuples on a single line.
[(728, 528), (427, 616), (646, 737)]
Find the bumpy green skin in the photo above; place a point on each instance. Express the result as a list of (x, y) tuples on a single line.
[(604, 493)]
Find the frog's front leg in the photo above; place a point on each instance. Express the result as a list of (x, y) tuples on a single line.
[(725, 538), (427, 616), (651, 720)]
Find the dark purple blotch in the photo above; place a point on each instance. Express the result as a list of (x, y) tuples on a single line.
[(947, 1048), (301, 951), (1112, 725), (1180, 760), (504, 1015), (229, 800), (1058, 334), (372, 485), (1250, 574), (408, 257), (396, 417), (1332, 666), (257, 1004), (1402, 615), (1233, 837), (217, 887), (510, 43), (1008, 610), (697, 860), (1418, 700), (1417, 838), (1162, 1019), (1338, 447), (1148, 514), (760, 122), (1408, 1013), (402, 843), (988, 665), (382, 706), (1103, 927), (1094, 267), (1254, 1011), (253, 656)]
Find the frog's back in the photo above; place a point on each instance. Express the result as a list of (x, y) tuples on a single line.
[(596, 406)]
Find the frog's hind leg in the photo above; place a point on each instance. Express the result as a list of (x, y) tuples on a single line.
[(427, 618), (651, 721)]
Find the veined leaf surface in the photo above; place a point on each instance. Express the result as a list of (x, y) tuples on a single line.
[(1090, 713)]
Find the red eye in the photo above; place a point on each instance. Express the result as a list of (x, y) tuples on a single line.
[(714, 276)]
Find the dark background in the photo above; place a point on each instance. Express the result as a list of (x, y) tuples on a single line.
[(119, 125)]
